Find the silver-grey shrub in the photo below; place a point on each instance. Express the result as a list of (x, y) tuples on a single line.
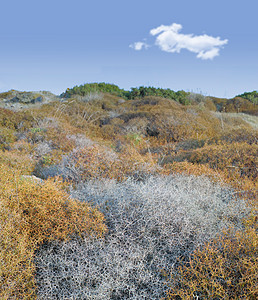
[(67, 167), (151, 225)]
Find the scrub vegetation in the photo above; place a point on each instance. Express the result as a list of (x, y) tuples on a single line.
[(140, 194)]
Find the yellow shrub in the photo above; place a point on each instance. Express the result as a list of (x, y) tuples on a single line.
[(32, 212), (238, 159), (17, 160), (192, 169), (16, 258), (225, 268), (100, 162)]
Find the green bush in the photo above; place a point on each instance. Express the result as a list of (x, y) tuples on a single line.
[(88, 88), (137, 92), (251, 96)]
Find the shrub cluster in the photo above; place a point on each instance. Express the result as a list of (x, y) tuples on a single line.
[(225, 268), (88, 88), (141, 92), (251, 96), (237, 159), (242, 103), (237, 104), (96, 161), (150, 224), (134, 93), (32, 212)]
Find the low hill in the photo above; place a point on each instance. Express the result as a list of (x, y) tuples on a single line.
[(17, 100), (141, 194), (245, 103)]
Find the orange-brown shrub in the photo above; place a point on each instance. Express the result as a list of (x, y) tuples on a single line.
[(79, 114), (236, 104), (16, 258), (238, 134), (189, 168), (7, 118), (225, 268), (32, 212), (167, 119), (237, 159), (101, 162), (16, 120), (7, 138), (18, 159)]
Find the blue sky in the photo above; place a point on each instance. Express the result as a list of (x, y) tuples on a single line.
[(53, 45)]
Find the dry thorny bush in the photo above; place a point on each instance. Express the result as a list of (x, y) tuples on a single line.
[(92, 160), (150, 225)]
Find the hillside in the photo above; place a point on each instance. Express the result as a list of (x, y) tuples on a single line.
[(246, 102), (114, 194)]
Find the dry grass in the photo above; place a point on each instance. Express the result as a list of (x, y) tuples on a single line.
[(249, 119)]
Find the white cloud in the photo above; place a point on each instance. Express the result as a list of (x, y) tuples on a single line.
[(139, 46), (169, 39)]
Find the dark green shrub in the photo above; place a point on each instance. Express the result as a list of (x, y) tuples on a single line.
[(251, 96)]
